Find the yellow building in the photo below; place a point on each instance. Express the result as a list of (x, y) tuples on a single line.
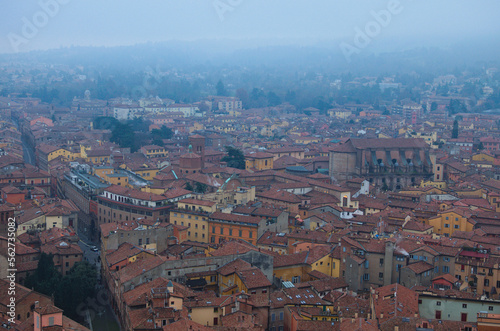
[(451, 220), (239, 276), (306, 140), (296, 267), (194, 214), (154, 151), (196, 127), (483, 157), (429, 137), (145, 171), (295, 152), (34, 220), (154, 190), (95, 156), (117, 179), (103, 171), (226, 128), (436, 184), (494, 199), (259, 161), (54, 152), (206, 311)]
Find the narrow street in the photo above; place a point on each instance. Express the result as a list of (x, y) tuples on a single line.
[(28, 152), (99, 312)]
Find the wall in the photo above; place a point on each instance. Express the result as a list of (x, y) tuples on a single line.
[(156, 235), (451, 309)]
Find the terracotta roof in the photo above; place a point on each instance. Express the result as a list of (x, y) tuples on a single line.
[(186, 324), (446, 277), (358, 324), (123, 252), (234, 247), (394, 301), (138, 295), (419, 267), (290, 259), (235, 218), (61, 248), (233, 267), (253, 278), (326, 284), (259, 155), (198, 202), (135, 269), (280, 195), (48, 309), (176, 192)]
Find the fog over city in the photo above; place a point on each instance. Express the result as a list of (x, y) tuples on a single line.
[(243, 22)]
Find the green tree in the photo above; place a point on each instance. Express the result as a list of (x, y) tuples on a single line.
[(234, 158), (139, 124), (454, 132), (456, 107), (46, 278), (201, 188), (163, 133), (124, 136), (221, 90), (434, 106), (273, 99), (189, 187), (105, 123), (481, 146), (75, 287), (242, 94)]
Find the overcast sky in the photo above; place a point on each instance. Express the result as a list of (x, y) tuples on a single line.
[(127, 22)]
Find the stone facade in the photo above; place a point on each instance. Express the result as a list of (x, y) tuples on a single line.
[(392, 163)]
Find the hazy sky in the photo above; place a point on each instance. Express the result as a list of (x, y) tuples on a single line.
[(26, 25)]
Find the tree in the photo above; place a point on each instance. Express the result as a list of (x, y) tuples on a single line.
[(76, 287), (273, 99), (454, 132), (434, 106), (456, 107), (139, 124), (201, 188), (258, 98), (163, 133), (189, 187), (124, 136), (481, 146), (221, 90), (234, 158), (105, 123), (242, 94), (46, 278)]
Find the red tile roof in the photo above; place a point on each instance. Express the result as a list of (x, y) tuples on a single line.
[(394, 301)]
